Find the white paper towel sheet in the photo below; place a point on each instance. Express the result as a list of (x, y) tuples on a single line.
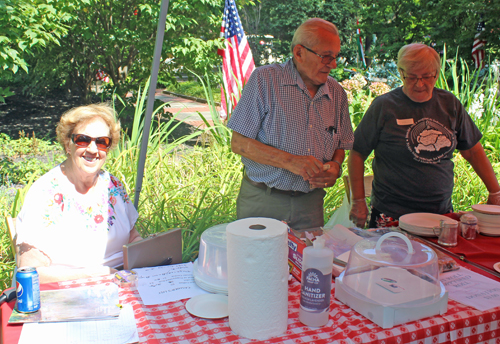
[(257, 254)]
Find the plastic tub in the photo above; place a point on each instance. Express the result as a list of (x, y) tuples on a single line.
[(392, 280)]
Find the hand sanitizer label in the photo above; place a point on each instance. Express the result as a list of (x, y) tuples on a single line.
[(315, 290)]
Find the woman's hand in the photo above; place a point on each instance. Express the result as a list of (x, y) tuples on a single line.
[(359, 212), (134, 235), (494, 198)]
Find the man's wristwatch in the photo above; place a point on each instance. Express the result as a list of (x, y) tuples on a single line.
[(340, 168)]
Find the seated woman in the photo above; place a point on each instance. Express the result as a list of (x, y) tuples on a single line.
[(76, 218)]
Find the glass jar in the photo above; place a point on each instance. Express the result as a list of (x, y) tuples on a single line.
[(468, 226)]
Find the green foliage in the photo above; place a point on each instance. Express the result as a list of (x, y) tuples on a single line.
[(118, 38), (360, 94), (469, 189), (5, 92), (340, 73), (280, 18), (218, 130), (479, 94), (193, 189), (25, 158), (26, 26), (433, 22), (194, 88)]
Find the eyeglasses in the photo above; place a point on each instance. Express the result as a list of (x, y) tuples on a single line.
[(325, 59), (414, 79), (102, 143)]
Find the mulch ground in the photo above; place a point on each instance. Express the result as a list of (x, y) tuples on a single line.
[(38, 116), (27, 116)]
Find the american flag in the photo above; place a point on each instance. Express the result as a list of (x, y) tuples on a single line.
[(477, 52), (237, 60)]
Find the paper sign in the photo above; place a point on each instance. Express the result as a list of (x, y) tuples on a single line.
[(169, 283), (472, 289)]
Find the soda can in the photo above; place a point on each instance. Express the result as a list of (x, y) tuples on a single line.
[(28, 290)]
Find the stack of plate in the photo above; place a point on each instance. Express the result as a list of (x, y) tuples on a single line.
[(211, 285), (210, 269), (488, 218), (423, 223)]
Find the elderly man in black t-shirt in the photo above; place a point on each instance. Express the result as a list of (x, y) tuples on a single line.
[(414, 131)]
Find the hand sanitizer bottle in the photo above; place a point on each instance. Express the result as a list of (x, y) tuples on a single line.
[(316, 284)]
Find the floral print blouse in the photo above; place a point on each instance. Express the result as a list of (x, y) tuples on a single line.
[(73, 229)]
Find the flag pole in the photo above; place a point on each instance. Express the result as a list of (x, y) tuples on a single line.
[(160, 33), (361, 51)]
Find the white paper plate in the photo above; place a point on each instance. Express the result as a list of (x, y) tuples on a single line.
[(488, 225), (209, 287), (491, 219), (487, 209), (425, 220), (422, 223), (489, 231), (208, 306), (419, 231)]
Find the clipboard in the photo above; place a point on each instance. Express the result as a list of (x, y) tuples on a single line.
[(160, 249)]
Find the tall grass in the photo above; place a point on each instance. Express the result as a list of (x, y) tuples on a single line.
[(478, 93)]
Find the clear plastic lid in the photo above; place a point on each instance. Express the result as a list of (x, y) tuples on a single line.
[(211, 267), (393, 270)]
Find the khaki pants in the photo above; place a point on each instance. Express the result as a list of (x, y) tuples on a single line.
[(300, 212)]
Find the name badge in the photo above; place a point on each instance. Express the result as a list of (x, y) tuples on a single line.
[(406, 121)]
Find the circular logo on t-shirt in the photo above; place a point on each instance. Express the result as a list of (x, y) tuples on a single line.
[(429, 141)]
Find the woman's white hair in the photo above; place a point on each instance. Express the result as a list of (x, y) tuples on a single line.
[(418, 55), (307, 33)]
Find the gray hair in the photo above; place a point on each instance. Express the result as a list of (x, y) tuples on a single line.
[(418, 55), (307, 32)]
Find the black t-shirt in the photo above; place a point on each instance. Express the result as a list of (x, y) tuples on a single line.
[(414, 144)]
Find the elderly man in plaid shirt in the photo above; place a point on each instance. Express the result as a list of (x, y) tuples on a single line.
[(292, 127)]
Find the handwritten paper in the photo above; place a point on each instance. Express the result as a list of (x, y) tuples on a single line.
[(116, 331), (472, 289), (162, 284)]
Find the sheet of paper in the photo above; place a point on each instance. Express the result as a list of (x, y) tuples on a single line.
[(472, 289), (117, 331), (162, 284)]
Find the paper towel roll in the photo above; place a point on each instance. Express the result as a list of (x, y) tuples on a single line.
[(257, 256)]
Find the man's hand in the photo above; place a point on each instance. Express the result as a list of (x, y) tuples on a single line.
[(305, 166), (327, 177), (359, 212)]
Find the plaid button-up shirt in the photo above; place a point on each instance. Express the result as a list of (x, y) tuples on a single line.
[(277, 110)]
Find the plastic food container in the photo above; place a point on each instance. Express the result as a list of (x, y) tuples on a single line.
[(210, 269), (392, 280)]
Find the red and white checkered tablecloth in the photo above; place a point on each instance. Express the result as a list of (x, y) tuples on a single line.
[(171, 323)]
